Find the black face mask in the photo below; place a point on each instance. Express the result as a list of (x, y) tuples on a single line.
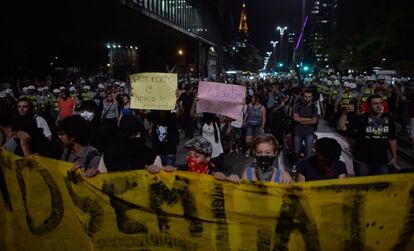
[(265, 162)]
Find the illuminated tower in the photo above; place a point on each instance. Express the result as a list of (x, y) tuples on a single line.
[(243, 29)]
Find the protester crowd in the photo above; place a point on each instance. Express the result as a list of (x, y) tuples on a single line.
[(90, 123)]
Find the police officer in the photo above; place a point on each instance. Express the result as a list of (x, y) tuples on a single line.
[(42, 98), (54, 104), (31, 95), (86, 93)]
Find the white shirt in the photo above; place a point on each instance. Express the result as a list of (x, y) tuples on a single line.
[(42, 124), (208, 134), (239, 122)]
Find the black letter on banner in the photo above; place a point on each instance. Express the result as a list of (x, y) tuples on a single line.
[(125, 224), (264, 239), (219, 214), (4, 191), (408, 230), (86, 204), (56, 215), (293, 217), (161, 194), (355, 243)]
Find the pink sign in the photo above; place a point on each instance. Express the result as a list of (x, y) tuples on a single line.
[(219, 98)]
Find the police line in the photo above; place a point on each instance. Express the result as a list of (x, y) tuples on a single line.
[(43, 206)]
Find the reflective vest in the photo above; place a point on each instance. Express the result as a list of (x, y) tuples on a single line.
[(335, 94), (32, 99), (42, 103), (54, 101), (346, 98), (86, 96), (367, 92)]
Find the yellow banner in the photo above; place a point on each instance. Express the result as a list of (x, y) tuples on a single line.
[(43, 206), (153, 91)]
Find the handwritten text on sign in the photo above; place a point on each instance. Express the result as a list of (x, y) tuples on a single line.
[(221, 99), (153, 91)]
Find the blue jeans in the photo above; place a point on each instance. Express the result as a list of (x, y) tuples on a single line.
[(297, 144), (363, 169), (168, 159)]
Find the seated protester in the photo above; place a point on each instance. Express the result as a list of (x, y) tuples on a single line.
[(324, 164), (265, 149), (199, 152), (28, 139), (128, 151), (25, 108), (165, 136), (74, 133)]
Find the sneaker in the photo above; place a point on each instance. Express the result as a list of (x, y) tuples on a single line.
[(237, 152), (231, 152)]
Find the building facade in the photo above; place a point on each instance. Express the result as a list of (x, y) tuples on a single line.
[(318, 39)]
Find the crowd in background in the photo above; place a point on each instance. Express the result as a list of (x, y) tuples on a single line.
[(89, 122)]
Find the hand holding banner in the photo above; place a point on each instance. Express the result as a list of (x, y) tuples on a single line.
[(153, 91), (219, 98)]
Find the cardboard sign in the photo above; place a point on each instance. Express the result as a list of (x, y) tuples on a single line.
[(219, 98), (153, 91)]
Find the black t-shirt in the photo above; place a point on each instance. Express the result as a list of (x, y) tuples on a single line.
[(305, 111), (372, 135), (187, 100), (307, 168), (165, 136), (127, 154)]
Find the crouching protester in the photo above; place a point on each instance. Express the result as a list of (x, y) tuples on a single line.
[(324, 164), (74, 133), (199, 152), (128, 151), (265, 149)]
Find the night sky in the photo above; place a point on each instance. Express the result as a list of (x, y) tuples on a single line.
[(263, 18)]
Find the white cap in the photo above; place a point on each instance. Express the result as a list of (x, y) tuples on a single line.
[(101, 86), (40, 89), (24, 89), (56, 90), (46, 88), (353, 85), (116, 83), (2, 94), (8, 91), (86, 87), (31, 87), (122, 84), (72, 89), (62, 88), (347, 84)]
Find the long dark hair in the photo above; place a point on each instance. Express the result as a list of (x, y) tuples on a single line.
[(211, 118)]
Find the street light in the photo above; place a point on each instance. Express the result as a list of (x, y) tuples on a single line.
[(274, 44), (180, 52), (282, 32)]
